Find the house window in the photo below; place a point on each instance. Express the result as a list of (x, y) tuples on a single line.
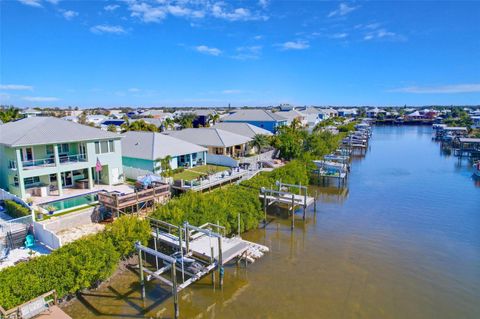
[(97, 147), (49, 149), (111, 146), (31, 180), (15, 181), (104, 146), (63, 148), (12, 164)]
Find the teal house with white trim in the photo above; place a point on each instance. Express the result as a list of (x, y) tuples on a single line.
[(142, 150)]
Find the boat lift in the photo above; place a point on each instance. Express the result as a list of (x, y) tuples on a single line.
[(196, 254), (287, 198)]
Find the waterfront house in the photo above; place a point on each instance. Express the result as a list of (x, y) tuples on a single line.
[(40, 156), (476, 122), (261, 118), (245, 129), (71, 118), (202, 117), (96, 119), (141, 150), (30, 112), (375, 112), (217, 141), (293, 114)]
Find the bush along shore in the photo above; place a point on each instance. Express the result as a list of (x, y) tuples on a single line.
[(75, 266), (87, 262)]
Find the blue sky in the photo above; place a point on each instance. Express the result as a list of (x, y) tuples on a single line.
[(211, 53)]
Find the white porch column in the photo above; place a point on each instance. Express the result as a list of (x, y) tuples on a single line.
[(55, 153), (21, 183), (190, 162), (59, 184), (90, 178)]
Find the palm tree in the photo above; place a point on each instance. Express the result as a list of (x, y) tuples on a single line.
[(259, 142), (165, 165), (9, 114), (214, 118), (295, 124), (168, 123)]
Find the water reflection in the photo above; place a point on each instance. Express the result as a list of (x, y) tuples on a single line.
[(401, 241)]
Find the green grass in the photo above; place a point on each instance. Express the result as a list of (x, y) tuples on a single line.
[(195, 172), (209, 168), (76, 209)]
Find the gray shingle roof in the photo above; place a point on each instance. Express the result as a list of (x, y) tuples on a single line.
[(151, 146), (254, 115), (244, 129), (209, 137), (49, 130)]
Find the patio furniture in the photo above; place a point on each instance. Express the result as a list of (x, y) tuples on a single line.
[(36, 307), (30, 241)]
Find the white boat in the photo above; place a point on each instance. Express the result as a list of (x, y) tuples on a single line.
[(331, 166), (336, 158)]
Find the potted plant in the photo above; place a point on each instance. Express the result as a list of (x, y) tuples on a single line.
[(51, 210), (29, 201), (39, 215)]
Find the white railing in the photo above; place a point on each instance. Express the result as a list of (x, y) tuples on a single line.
[(72, 159), (12, 225)]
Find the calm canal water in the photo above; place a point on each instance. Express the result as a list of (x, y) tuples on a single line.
[(403, 241)]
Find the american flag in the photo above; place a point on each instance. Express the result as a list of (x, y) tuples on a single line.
[(98, 166)]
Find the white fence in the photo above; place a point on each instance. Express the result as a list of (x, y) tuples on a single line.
[(133, 172), (46, 236), (222, 160), (266, 156)]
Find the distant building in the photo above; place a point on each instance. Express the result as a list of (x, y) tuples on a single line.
[(245, 129), (141, 150), (261, 118), (31, 112), (218, 142), (292, 115)]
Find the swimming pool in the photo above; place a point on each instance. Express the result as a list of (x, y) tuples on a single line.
[(72, 202)]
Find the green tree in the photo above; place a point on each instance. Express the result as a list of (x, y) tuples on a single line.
[(112, 128), (259, 142), (186, 120), (140, 125), (168, 123), (165, 165), (214, 118), (8, 114)]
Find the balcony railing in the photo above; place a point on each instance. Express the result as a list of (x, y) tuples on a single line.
[(49, 162), (46, 162), (73, 159)]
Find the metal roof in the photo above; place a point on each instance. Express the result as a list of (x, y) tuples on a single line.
[(244, 129), (254, 115), (49, 130), (209, 137), (152, 146)]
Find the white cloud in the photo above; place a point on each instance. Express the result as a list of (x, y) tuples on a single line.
[(15, 87), (133, 90), (146, 12), (295, 45), (111, 7), (258, 37), (343, 9), (32, 3), (219, 10), (40, 99), (263, 3), (248, 52), (207, 50), (342, 35), (4, 96), (69, 14), (384, 34), (231, 91), (53, 1), (443, 89), (104, 28)]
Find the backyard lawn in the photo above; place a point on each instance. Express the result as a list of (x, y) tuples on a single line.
[(195, 172)]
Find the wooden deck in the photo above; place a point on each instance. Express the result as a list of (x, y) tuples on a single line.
[(118, 202), (286, 200)]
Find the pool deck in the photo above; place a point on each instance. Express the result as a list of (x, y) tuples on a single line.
[(71, 192)]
